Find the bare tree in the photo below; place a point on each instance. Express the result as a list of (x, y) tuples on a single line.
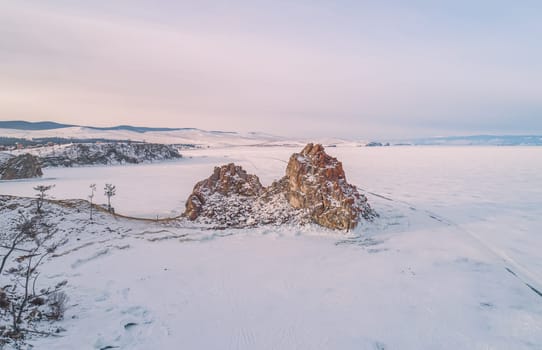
[(91, 196), (25, 229), (110, 191), (19, 299), (41, 195)]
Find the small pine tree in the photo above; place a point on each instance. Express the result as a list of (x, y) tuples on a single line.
[(41, 195), (91, 197), (109, 190)]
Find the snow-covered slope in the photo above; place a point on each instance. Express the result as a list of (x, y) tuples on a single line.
[(185, 136), (181, 136)]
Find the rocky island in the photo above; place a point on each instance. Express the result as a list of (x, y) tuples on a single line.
[(314, 189)]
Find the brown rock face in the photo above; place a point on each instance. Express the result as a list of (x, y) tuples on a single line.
[(314, 189), (24, 166), (316, 181), (227, 180)]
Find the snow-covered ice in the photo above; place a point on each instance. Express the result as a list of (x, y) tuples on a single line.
[(453, 262)]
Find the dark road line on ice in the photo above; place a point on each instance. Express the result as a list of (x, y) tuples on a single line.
[(539, 293), (380, 196), (534, 289), (512, 272)]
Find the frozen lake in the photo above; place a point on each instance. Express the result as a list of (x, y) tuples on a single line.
[(486, 178), (495, 192), (453, 220)]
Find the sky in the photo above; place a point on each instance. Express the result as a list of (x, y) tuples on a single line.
[(307, 68)]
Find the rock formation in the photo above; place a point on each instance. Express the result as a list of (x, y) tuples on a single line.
[(24, 166), (80, 154), (316, 181), (314, 189), (226, 181)]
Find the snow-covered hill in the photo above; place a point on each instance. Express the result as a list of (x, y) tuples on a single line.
[(182, 136), (179, 136), (203, 138)]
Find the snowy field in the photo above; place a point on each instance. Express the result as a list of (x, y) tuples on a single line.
[(454, 261)]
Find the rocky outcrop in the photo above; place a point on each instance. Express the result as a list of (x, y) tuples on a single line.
[(231, 197), (316, 181), (81, 154), (210, 196), (230, 179), (24, 166), (314, 189)]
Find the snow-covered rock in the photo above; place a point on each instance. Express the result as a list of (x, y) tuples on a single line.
[(314, 189), (316, 181), (4, 156), (226, 181), (231, 197), (104, 153), (24, 166)]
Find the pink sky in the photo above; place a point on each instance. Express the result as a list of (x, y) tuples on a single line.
[(316, 68)]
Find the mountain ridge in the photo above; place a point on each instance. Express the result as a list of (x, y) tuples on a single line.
[(45, 129), (49, 125)]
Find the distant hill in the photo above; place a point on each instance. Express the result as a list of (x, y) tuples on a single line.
[(29, 133), (23, 125), (34, 133), (139, 129)]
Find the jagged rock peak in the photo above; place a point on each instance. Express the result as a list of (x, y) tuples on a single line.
[(316, 181), (313, 149), (230, 179), (24, 166)]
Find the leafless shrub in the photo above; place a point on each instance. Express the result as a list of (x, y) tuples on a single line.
[(57, 303)]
